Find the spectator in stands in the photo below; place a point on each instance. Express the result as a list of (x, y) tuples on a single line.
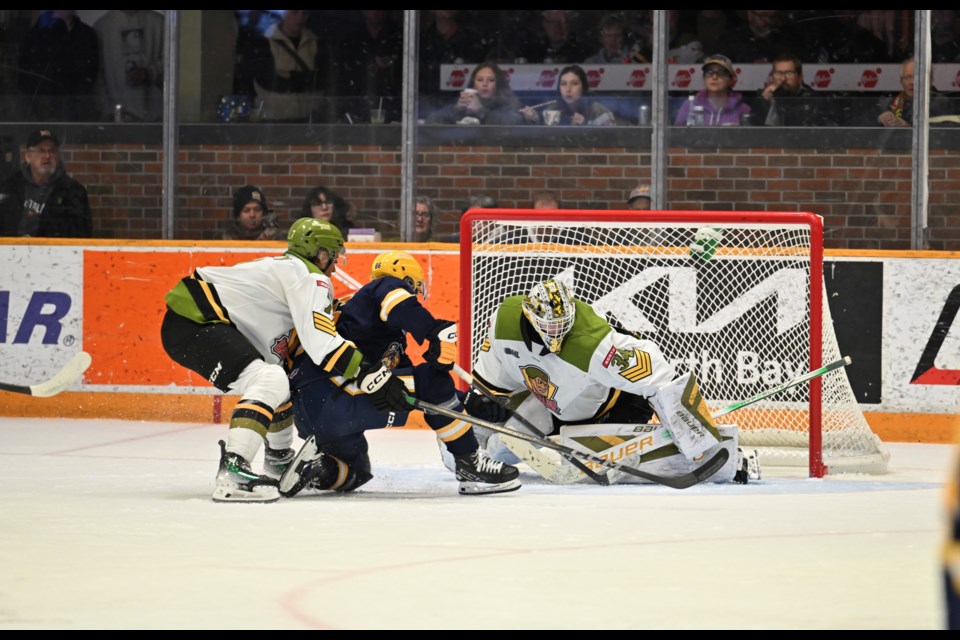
[(721, 105), (252, 217), (613, 43), (288, 66), (545, 200), (445, 41), (488, 99), (59, 61), (480, 202), (323, 204), (639, 199), (425, 212), (684, 46), (944, 43), (576, 107), (898, 110), (838, 39), (131, 64), (787, 102), (883, 24), (759, 40), (557, 43), (371, 66), (40, 200), (711, 28)]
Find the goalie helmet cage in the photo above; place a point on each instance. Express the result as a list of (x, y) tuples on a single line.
[(749, 317)]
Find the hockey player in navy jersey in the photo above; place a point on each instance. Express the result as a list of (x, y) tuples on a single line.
[(232, 325), (332, 417)]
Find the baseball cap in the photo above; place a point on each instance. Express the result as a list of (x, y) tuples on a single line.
[(247, 195), (38, 136), (643, 191), (719, 60)]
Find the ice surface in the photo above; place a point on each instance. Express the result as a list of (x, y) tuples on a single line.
[(109, 524)]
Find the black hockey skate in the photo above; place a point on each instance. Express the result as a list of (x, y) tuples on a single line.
[(478, 473)]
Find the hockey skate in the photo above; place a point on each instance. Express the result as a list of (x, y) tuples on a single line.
[(479, 473), (276, 461), (302, 469), (236, 482), (748, 466)]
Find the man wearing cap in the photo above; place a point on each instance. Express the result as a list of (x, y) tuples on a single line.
[(40, 200), (639, 199), (721, 106), (252, 218)]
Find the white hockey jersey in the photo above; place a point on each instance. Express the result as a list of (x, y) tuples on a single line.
[(582, 380), (269, 297)]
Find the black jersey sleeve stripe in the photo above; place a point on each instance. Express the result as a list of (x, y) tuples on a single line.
[(208, 302)]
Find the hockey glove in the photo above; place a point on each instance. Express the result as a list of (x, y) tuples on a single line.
[(442, 352), (484, 408), (705, 243), (387, 392)]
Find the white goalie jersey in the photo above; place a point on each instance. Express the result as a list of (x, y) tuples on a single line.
[(582, 380)]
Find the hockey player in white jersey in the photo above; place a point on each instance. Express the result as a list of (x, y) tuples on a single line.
[(581, 373), (232, 326)]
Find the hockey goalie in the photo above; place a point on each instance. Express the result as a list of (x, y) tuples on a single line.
[(593, 389)]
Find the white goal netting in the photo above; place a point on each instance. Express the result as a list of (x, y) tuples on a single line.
[(743, 321)]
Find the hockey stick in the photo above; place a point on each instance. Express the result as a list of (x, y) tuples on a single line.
[(833, 366), (69, 374), (599, 478), (683, 481)]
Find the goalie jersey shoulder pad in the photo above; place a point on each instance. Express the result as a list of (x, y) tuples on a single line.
[(589, 330)]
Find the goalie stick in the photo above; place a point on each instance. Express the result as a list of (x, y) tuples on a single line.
[(599, 478), (552, 472), (682, 481), (69, 374), (833, 366)]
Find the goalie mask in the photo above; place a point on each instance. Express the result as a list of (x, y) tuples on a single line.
[(400, 265), (549, 308)]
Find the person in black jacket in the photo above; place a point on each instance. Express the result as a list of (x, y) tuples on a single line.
[(788, 102), (40, 200)]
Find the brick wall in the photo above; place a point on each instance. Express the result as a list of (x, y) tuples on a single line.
[(864, 195)]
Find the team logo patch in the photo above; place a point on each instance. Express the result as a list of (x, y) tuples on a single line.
[(511, 352), (281, 347), (321, 283), (540, 386), (634, 364)]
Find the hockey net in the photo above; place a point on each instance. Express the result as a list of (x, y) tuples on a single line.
[(750, 318)]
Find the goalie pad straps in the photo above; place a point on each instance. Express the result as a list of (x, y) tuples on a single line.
[(682, 409)]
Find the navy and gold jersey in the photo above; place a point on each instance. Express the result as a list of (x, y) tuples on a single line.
[(381, 312)]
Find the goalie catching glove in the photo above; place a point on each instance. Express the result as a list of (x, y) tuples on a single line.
[(442, 352), (387, 392)]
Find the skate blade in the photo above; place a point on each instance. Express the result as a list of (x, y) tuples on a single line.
[(261, 494), (482, 488)]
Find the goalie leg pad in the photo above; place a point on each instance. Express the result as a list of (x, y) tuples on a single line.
[(649, 448), (684, 412)]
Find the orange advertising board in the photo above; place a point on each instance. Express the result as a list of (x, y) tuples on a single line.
[(123, 304)]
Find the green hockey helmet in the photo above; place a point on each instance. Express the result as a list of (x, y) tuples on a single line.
[(307, 236)]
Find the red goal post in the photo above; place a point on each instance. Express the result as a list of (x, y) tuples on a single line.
[(745, 318)]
